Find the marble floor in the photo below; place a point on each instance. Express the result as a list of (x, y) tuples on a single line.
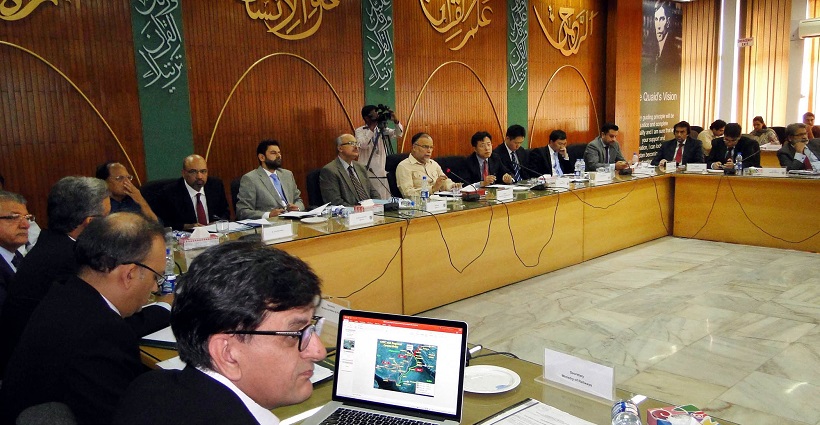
[(732, 329)]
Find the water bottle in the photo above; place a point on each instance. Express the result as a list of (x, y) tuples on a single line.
[(739, 164), (583, 167), (578, 168), (635, 159), (170, 278), (425, 188), (625, 412)]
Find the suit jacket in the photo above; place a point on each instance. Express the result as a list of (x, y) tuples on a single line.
[(541, 161), (177, 209), (503, 155), (473, 172), (595, 154), (786, 155), (76, 350), (187, 396), (258, 196), (745, 146), (692, 152), (6, 276), (337, 187)]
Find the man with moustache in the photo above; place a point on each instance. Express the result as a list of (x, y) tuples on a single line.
[(14, 225), (194, 199), (552, 159), (124, 195), (798, 152), (725, 149), (605, 150), (344, 181), (682, 149), (483, 167), (411, 171), (269, 190)]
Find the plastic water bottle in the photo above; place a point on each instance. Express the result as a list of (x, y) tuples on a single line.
[(579, 168), (739, 164), (635, 159), (625, 412), (170, 278), (583, 167), (425, 188)]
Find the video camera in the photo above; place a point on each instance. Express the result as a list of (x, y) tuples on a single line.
[(384, 113)]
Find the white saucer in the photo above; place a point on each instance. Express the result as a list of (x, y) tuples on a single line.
[(313, 220), (710, 170), (487, 379)]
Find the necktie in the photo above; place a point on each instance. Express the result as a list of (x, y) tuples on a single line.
[(360, 193), (729, 153), (18, 258), (516, 166), (607, 154), (556, 165), (807, 163), (679, 153), (201, 218), (484, 171), (278, 185)]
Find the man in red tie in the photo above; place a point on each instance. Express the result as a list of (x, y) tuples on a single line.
[(799, 153), (682, 149), (483, 166), (195, 199)]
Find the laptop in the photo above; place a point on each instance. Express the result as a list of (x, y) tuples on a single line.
[(398, 366)]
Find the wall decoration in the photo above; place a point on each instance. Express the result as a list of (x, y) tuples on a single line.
[(161, 43), (458, 20), (290, 19), (13, 10), (574, 28)]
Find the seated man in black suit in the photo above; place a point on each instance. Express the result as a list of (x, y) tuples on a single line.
[(78, 348), (725, 149), (246, 350), (682, 149), (552, 159), (483, 166), (799, 153), (14, 225), (511, 155), (193, 200)]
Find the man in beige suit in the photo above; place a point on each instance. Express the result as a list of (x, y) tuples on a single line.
[(270, 189), (344, 181)]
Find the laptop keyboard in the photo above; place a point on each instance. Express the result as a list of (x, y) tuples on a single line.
[(353, 417)]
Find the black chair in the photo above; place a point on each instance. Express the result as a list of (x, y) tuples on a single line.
[(152, 192), (456, 164), (391, 163), (576, 151), (314, 192), (696, 128), (781, 133), (235, 195)]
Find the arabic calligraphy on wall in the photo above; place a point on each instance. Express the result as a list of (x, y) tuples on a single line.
[(459, 20), (161, 44), (518, 38), (290, 19), (572, 30), (378, 35), (14, 10)]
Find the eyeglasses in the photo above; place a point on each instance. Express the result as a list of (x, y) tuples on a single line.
[(193, 172), (121, 178), (16, 217), (354, 144), (159, 278), (303, 334), (426, 147)]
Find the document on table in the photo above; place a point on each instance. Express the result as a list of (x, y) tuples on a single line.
[(533, 412), (301, 214), (233, 226), (163, 338)]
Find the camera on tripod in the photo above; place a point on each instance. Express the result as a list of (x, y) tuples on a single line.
[(384, 113)]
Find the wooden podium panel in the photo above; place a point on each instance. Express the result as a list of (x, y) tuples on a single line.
[(772, 212)]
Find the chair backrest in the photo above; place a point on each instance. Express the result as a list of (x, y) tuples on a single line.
[(314, 192), (391, 163), (781, 133), (235, 194), (51, 413), (152, 192), (576, 151), (696, 128), (457, 165)]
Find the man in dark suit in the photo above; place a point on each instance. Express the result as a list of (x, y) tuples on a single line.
[(552, 159), (725, 149), (14, 225), (246, 350), (483, 166), (605, 150), (270, 189), (77, 348), (682, 149), (194, 199), (344, 180), (799, 153), (512, 155)]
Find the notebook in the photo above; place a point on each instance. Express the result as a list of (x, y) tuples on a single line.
[(401, 366)]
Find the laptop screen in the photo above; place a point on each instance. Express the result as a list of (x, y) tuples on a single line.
[(399, 361)]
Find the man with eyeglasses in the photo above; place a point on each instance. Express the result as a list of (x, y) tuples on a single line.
[(410, 171), (195, 199), (125, 197), (344, 181), (725, 149), (246, 350), (483, 166), (799, 153), (78, 348), (269, 190), (14, 225)]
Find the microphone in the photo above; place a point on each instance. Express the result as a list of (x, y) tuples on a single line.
[(539, 186), (471, 352), (469, 197)]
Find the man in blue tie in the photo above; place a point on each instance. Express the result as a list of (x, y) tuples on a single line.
[(270, 189), (552, 159)]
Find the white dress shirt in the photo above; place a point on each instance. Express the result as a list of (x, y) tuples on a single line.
[(262, 415), (192, 193)]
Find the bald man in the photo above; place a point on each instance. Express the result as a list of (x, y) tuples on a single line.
[(195, 199)]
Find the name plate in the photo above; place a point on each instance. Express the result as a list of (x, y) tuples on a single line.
[(274, 232), (772, 172), (579, 374), (436, 206), (360, 218), (696, 168), (671, 167), (504, 194), (561, 182), (602, 177)]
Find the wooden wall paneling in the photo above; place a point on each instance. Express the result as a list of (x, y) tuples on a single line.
[(566, 104), (282, 98), (454, 105), (623, 81)]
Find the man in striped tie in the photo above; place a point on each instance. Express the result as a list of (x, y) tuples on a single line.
[(510, 153), (344, 181)]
